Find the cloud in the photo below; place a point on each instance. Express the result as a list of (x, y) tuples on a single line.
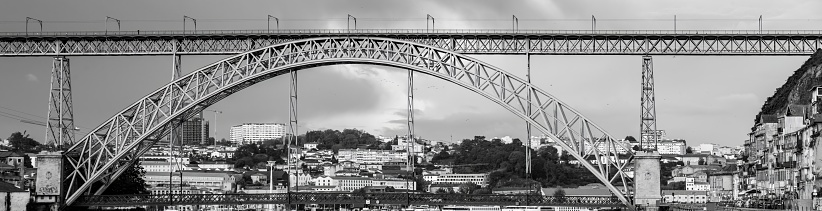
[(32, 78)]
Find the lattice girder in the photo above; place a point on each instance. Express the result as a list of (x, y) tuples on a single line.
[(562, 42), (103, 153)]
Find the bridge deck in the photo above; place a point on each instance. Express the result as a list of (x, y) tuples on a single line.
[(345, 198), (544, 42)]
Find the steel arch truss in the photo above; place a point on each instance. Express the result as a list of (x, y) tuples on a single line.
[(103, 154)]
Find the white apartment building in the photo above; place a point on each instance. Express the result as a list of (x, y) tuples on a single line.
[(706, 149), (325, 181), (370, 156), (671, 147), (256, 132), (161, 166), (211, 180), (684, 196), (300, 179), (456, 179), (692, 185), (396, 183), (352, 183)]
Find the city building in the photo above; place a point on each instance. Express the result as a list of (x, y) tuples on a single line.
[(722, 186), (672, 147), (256, 132), (647, 140), (684, 196), (195, 131), (11, 158), (370, 156), (352, 183), (479, 179), (162, 166), (209, 180)]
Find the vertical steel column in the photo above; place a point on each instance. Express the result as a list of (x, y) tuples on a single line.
[(292, 124), (410, 164), (176, 130), (528, 125), (60, 124), (647, 116)]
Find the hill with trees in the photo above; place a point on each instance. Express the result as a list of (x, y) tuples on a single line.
[(796, 87), (506, 164)]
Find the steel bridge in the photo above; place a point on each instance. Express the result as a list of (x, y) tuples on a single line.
[(94, 161), (537, 42), (345, 198)]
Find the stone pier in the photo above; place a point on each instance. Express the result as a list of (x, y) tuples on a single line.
[(647, 192)]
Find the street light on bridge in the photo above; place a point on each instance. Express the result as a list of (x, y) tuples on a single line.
[(348, 22), (27, 24), (427, 17), (277, 20), (114, 19), (192, 19)]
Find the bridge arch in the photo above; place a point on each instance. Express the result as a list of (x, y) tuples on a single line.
[(105, 153)]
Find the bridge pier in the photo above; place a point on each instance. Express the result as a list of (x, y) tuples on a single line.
[(647, 192), (49, 185)]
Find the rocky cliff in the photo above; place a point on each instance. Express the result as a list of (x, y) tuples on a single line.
[(796, 88)]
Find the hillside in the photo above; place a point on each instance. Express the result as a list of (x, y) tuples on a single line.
[(795, 90)]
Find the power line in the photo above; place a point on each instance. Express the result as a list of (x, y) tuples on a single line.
[(22, 112)]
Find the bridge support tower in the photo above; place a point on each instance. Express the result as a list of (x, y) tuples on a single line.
[(60, 123), (647, 192), (649, 135)]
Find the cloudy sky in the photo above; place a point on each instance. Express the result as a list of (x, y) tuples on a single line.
[(701, 99)]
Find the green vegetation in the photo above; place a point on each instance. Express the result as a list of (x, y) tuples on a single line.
[(257, 155), (21, 143), (506, 164), (346, 139), (130, 182), (798, 82), (559, 195)]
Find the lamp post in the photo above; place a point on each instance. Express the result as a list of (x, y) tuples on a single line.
[(113, 19), (34, 19), (189, 18), (271, 181), (276, 20)]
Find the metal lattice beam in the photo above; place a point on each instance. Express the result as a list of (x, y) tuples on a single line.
[(560, 42), (347, 198), (102, 153)]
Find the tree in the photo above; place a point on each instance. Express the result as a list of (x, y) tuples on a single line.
[(630, 139), (559, 195), (636, 148), (441, 191), (20, 142), (468, 188), (130, 182), (224, 142), (689, 150), (701, 161)]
